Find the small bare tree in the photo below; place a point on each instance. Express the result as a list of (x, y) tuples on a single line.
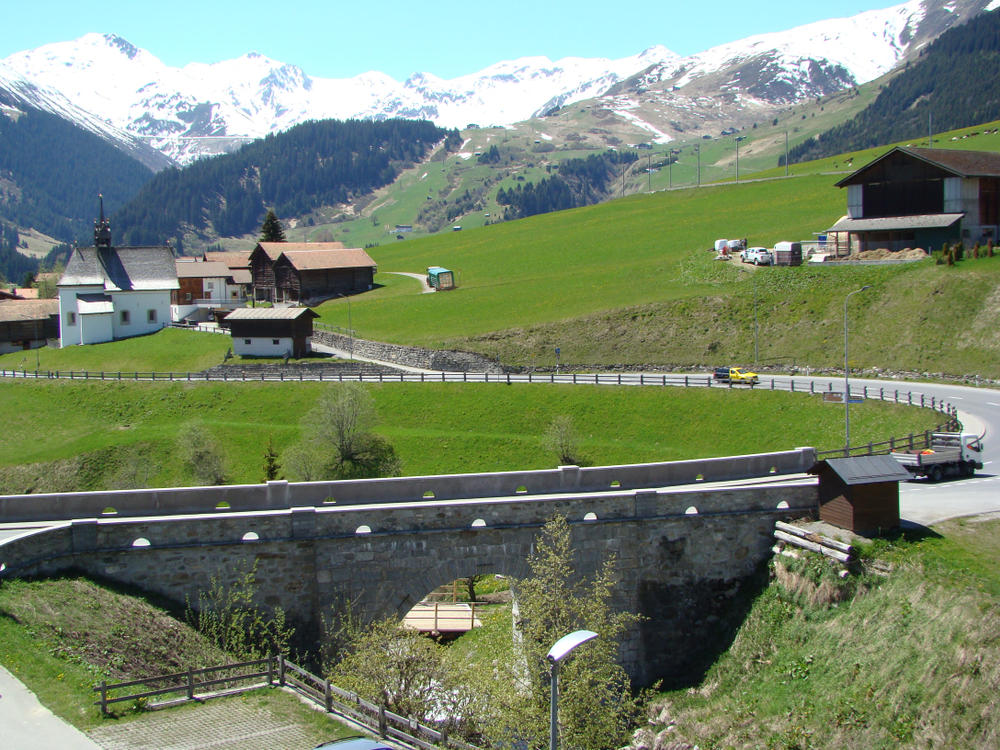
[(561, 438)]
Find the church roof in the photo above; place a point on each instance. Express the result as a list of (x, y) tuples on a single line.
[(122, 268)]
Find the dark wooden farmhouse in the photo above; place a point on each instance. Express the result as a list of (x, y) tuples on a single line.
[(921, 197), (860, 494), (271, 331), (27, 323), (299, 271)]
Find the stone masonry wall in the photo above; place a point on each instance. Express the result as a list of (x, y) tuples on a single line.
[(410, 356), (682, 557)]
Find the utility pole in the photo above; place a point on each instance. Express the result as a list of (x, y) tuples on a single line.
[(786, 153)]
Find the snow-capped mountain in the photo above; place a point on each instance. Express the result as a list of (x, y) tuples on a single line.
[(105, 82)]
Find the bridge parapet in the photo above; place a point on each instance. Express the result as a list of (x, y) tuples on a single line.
[(282, 495)]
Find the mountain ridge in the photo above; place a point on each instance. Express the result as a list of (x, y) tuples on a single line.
[(202, 109)]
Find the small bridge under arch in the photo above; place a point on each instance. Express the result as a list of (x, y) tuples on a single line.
[(685, 545)]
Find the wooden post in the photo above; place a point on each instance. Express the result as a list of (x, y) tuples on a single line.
[(327, 696), (104, 697), (190, 684), (270, 670), (383, 727), (281, 670)]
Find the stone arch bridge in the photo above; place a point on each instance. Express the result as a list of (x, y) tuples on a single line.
[(688, 537)]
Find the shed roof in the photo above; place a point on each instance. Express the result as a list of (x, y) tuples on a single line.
[(886, 223), (94, 304), (122, 268), (864, 469), (957, 162), (187, 269), (314, 260), (270, 313)]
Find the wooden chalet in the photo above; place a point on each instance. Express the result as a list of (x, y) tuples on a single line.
[(922, 197), (299, 271), (271, 331)]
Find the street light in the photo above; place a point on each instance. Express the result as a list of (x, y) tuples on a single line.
[(738, 139), (847, 384), (350, 327), (559, 651)]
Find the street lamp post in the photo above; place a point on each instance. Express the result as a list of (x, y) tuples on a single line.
[(738, 139), (559, 651), (847, 383)]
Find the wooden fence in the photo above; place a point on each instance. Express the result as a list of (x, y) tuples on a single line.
[(229, 679)]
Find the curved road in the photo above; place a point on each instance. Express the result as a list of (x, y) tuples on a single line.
[(921, 502)]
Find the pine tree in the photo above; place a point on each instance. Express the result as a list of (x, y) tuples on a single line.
[(271, 230)]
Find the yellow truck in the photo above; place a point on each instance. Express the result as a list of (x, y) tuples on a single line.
[(735, 375)]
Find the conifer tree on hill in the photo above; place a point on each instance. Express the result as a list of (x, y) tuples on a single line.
[(271, 230)]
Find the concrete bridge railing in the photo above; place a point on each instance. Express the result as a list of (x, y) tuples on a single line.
[(279, 495)]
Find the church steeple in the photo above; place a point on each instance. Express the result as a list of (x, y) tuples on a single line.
[(102, 229)]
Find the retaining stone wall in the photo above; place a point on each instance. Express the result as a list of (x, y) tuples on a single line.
[(410, 356)]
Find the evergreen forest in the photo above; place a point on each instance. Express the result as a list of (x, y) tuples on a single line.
[(314, 164), (954, 83), (59, 169), (576, 182)]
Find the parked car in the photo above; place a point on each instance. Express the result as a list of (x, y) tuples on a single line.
[(759, 256), (354, 743), (735, 375)]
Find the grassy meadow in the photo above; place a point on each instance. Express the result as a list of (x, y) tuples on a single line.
[(115, 435)]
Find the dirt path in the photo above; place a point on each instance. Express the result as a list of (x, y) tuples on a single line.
[(427, 288)]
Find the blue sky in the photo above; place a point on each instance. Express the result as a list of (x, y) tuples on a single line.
[(338, 39)]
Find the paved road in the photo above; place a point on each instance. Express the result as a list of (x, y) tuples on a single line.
[(25, 724), (979, 410)]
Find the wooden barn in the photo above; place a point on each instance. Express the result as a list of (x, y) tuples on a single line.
[(922, 197), (299, 271), (271, 331), (28, 323), (860, 494)]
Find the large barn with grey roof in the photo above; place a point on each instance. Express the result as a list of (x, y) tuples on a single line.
[(922, 197)]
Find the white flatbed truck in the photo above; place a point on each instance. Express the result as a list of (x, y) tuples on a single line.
[(950, 454)]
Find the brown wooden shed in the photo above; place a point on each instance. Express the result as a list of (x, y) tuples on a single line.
[(860, 494)]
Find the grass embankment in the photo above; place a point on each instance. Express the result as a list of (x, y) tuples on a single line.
[(913, 660), (63, 636), (94, 435)]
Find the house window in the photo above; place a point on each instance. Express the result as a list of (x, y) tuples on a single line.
[(125, 317), (246, 341), (188, 295), (151, 316), (71, 318), (275, 341), (210, 285)]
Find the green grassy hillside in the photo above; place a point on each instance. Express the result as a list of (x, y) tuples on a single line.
[(117, 435), (631, 281)]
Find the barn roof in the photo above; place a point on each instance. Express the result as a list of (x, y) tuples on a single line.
[(274, 249), (958, 163), (27, 309), (864, 469), (313, 260)]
